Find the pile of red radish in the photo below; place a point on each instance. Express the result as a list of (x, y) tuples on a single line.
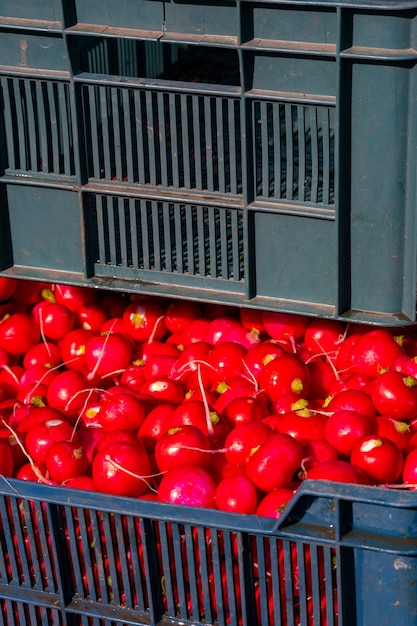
[(199, 404)]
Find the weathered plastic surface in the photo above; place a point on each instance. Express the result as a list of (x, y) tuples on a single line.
[(341, 555), (253, 153)]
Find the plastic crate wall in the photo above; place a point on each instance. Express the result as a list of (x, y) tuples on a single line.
[(252, 153), (340, 555)]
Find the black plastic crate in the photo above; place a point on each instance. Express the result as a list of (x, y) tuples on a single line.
[(246, 152), (340, 555)]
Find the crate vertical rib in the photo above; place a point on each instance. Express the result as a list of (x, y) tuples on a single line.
[(145, 234), (264, 137), (31, 140), (189, 239), (175, 131), (314, 155), (105, 115), (140, 137), (197, 131), (178, 229), (205, 582), (289, 152), (235, 163), (186, 108), (301, 136), (162, 137), (117, 134), (327, 169), (21, 129), (209, 131), (8, 127), (167, 237), (151, 143), (123, 243), (42, 117), (115, 558), (128, 172), (221, 142), (219, 585), (277, 139), (156, 236)]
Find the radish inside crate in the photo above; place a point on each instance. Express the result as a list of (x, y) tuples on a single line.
[(196, 406)]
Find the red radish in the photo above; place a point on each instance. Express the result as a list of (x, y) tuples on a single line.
[(196, 332), (163, 389), (65, 460), (398, 431), (260, 355), (395, 394), (251, 319), (150, 349), (189, 485), (226, 361), (374, 352), (409, 470), (324, 336), (318, 451), (339, 471), (115, 325), (38, 415), (41, 436), (7, 464), (244, 440), (274, 502), (18, 333), (38, 375), (73, 347), (119, 436), (220, 328), (180, 446), (195, 413), (191, 359), (45, 353), (133, 377), (33, 393), (236, 389), (180, 313), (405, 364), (285, 375), (7, 287), (55, 320), (159, 365), (236, 494), (352, 400), (303, 425), (86, 483), (379, 458), (107, 354), (244, 409), (28, 293), (275, 462), (69, 392), (156, 423), (344, 428), (121, 412), (35, 472), (285, 327), (322, 378), (10, 379), (122, 469), (89, 439), (91, 316), (144, 320), (73, 297)]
